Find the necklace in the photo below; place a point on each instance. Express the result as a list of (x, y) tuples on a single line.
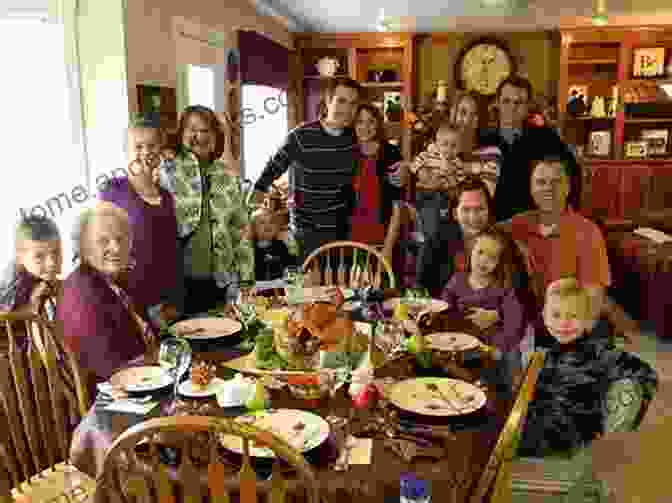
[(151, 196)]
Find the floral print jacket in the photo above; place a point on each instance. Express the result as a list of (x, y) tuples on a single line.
[(231, 253)]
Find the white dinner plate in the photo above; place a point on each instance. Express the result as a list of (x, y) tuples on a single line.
[(199, 329), (301, 429), (452, 341), (142, 379), (187, 388)]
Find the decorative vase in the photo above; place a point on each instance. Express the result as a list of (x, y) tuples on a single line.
[(327, 66)]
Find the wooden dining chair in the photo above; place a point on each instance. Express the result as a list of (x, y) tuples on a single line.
[(127, 475), (349, 264), (42, 398), (496, 477)]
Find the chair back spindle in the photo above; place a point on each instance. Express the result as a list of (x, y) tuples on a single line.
[(190, 480), (497, 473), (368, 266)]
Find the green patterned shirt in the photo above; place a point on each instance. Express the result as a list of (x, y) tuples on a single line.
[(228, 215)]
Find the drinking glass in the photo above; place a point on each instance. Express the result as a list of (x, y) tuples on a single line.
[(175, 355), (294, 287)]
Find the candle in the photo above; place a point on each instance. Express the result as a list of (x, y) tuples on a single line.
[(442, 91)]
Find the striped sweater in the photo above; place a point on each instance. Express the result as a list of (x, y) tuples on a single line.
[(484, 163), (321, 169)]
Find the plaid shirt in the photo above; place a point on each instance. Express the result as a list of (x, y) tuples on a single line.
[(231, 253)]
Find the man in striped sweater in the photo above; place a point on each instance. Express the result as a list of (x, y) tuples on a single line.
[(320, 157)]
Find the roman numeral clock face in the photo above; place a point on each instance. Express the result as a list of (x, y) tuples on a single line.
[(483, 67)]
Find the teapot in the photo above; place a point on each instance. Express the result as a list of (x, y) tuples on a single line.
[(327, 66)]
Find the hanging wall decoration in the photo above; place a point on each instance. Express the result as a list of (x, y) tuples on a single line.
[(233, 102)]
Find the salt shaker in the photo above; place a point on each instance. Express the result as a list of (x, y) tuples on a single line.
[(414, 490)]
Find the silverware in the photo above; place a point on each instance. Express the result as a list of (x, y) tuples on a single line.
[(192, 332), (435, 389)]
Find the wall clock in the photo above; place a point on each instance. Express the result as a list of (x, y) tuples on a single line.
[(482, 65)]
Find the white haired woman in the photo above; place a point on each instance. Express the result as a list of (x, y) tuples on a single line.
[(100, 324)]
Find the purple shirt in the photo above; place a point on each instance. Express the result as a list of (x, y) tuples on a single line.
[(509, 329), (154, 279), (97, 326)]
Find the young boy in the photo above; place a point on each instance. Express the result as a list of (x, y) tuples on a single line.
[(30, 283), (568, 410), (438, 169)]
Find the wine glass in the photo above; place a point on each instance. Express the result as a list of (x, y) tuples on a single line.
[(175, 355)]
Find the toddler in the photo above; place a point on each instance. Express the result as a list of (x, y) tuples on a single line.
[(438, 170), (568, 409), (30, 283), (271, 254), (485, 291)]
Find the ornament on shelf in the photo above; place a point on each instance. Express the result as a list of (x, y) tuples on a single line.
[(442, 91), (597, 109), (327, 66)]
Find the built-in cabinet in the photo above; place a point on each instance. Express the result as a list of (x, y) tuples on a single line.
[(629, 70)]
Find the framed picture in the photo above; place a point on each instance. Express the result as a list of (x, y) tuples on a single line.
[(636, 149), (392, 106), (160, 101), (599, 144), (656, 140), (649, 62), (580, 91)]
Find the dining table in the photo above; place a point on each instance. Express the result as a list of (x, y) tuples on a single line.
[(452, 475)]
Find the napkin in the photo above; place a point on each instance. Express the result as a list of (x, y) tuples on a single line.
[(235, 392), (654, 235), (360, 450), (132, 407)]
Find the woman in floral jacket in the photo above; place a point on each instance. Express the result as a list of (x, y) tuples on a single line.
[(211, 212)]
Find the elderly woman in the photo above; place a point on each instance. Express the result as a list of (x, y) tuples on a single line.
[(100, 324), (211, 213)]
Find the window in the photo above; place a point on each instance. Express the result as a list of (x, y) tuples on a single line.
[(43, 163), (264, 121), (201, 86)]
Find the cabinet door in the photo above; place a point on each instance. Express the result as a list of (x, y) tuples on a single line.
[(312, 93)]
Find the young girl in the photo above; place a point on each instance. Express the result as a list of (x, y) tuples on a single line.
[(271, 254), (30, 283), (486, 287), (568, 410)]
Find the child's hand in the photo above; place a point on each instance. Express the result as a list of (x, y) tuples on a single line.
[(483, 318), (40, 293)]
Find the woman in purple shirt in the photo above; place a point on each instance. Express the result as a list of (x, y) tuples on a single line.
[(155, 280)]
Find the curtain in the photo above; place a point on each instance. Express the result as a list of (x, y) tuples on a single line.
[(262, 61), (44, 154)]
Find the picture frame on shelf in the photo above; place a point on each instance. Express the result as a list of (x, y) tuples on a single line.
[(648, 62), (392, 106), (580, 90), (636, 149), (599, 144), (656, 140)]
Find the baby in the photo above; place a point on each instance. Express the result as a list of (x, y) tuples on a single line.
[(438, 169), (30, 283)]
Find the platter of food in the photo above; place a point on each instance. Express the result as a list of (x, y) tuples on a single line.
[(302, 335)]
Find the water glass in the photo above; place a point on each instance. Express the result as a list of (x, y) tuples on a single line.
[(175, 355)]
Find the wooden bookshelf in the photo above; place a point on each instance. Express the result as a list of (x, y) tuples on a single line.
[(599, 59)]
